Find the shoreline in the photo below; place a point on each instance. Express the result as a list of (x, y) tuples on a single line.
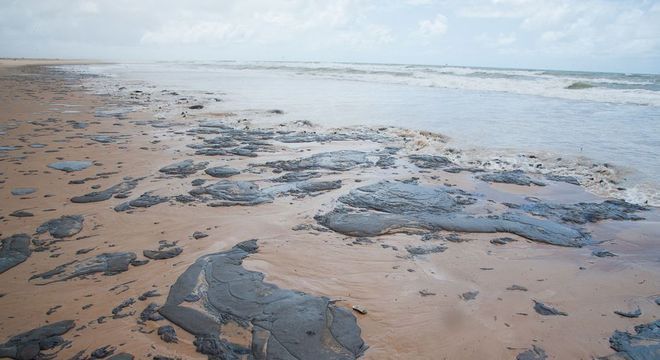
[(633, 182), (8, 63), (295, 250)]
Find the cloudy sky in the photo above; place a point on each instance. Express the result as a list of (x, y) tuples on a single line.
[(602, 35)]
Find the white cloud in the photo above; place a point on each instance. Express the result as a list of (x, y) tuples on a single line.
[(505, 39), (499, 41), (497, 32), (552, 36), (198, 32), (570, 28), (367, 38), (435, 27), (89, 7), (419, 2), (261, 22)]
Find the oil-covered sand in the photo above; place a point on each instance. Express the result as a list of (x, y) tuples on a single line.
[(292, 241)]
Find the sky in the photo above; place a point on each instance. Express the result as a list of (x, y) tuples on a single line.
[(591, 35)]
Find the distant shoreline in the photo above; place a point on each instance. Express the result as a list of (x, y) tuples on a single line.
[(59, 61), (15, 62)]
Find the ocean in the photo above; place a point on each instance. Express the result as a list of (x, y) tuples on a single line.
[(609, 119)]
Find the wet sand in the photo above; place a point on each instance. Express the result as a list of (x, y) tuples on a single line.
[(417, 307)]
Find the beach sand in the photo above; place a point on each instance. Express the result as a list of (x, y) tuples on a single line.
[(419, 306)]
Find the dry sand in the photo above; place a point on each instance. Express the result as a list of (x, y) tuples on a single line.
[(400, 323)]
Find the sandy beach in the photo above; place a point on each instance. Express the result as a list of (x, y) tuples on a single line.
[(372, 242)]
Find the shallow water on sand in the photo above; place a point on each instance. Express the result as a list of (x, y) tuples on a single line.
[(608, 128)]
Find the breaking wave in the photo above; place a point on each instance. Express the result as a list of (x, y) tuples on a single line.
[(638, 89)]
